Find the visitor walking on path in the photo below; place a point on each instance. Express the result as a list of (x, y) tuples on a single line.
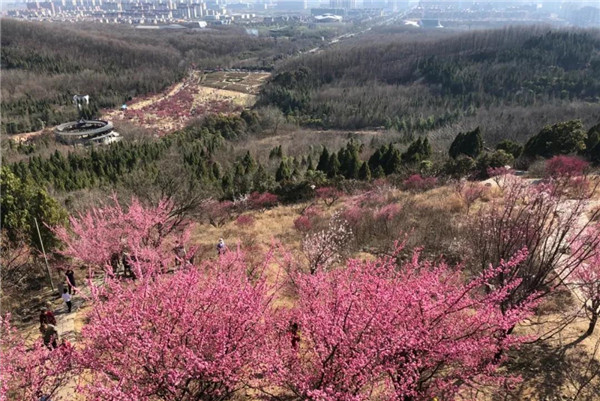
[(50, 335), (221, 247), (70, 275), (67, 298), (46, 316)]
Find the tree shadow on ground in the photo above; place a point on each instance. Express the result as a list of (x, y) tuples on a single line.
[(553, 373)]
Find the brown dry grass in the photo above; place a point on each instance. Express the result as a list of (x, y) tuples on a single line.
[(245, 82)]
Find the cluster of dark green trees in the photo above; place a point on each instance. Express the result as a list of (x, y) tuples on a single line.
[(194, 158), (468, 153), (23, 202), (199, 150), (567, 137)]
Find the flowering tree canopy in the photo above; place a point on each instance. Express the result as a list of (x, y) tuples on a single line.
[(327, 246), (147, 235), (410, 331), (544, 220), (586, 277), (31, 371), (196, 334)]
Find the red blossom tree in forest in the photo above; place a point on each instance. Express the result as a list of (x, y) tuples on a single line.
[(263, 200), (329, 195), (404, 332), (412, 330), (417, 183), (565, 167), (217, 213)]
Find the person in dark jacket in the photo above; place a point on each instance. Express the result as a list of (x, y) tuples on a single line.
[(70, 275), (46, 316)]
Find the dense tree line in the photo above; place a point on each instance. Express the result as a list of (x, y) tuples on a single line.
[(419, 83), (44, 65), (201, 160)]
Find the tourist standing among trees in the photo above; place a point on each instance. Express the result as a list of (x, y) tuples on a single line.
[(221, 247), (70, 275), (67, 298), (50, 335), (46, 316)]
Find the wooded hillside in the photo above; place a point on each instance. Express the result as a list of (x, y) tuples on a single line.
[(410, 82)]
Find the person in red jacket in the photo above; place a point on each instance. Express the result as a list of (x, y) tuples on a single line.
[(46, 316)]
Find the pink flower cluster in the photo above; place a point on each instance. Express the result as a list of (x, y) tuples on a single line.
[(417, 183), (245, 220), (565, 167), (329, 195), (262, 200)]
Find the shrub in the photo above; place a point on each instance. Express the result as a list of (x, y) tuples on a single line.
[(245, 220), (510, 147), (496, 159), (416, 183), (470, 192), (565, 167), (593, 139), (353, 214), (417, 151), (303, 224), (262, 200), (217, 213), (388, 212), (595, 154), (459, 167), (329, 195)]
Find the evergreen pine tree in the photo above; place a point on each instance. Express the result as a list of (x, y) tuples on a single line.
[(365, 172), (323, 164), (283, 172), (379, 172), (334, 166)]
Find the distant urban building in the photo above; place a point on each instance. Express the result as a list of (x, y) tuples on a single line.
[(291, 5), (342, 4), (323, 11)]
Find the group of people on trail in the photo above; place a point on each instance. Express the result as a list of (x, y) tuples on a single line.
[(48, 320)]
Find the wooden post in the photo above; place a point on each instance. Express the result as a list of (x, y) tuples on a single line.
[(44, 252)]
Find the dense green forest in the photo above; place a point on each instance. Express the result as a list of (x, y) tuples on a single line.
[(410, 82), (44, 65)]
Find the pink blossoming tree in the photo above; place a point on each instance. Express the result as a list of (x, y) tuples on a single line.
[(148, 235), (29, 372), (379, 330), (196, 334), (586, 277), (544, 220)]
